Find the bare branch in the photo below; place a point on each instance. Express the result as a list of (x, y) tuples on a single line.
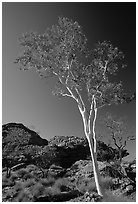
[(71, 93), (131, 138), (67, 78), (65, 94), (102, 106), (79, 101), (125, 143), (128, 139), (115, 142)]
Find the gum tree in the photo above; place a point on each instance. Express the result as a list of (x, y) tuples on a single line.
[(62, 52)]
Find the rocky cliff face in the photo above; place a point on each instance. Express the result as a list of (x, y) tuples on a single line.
[(19, 134), (19, 141)]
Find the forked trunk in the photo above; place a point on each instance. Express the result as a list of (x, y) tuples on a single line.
[(95, 166), (89, 128)]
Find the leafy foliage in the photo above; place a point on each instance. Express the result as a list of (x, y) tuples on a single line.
[(62, 51)]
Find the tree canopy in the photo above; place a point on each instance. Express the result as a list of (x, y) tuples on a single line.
[(62, 51)]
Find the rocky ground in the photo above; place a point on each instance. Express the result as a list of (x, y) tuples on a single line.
[(60, 170)]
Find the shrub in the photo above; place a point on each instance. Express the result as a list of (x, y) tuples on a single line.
[(38, 190), (24, 174), (53, 191), (21, 173), (14, 177), (107, 182), (87, 185), (31, 168), (110, 197), (23, 196), (7, 182), (18, 186), (62, 184), (47, 181), (29, 183), (28, 176)]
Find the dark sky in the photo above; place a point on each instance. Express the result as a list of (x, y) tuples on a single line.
[(29, 100)]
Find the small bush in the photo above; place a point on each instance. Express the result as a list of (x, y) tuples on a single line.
[(107, 183), (110, 197), (14, 177), (90, 186), (24, 174), (47, 181), (38, 190), (87, 185), (7, 182), (29, 183), (21, 173), (18, 186), (23, 196), (10, 194), (63, 185), (54, 190), (28, 176), (31, 168)]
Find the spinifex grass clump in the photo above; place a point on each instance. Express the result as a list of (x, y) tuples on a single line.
[(89, 186)]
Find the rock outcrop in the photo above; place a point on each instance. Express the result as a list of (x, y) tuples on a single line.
[(18, 143), (18, 134)]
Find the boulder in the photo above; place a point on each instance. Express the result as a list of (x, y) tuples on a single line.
[(84, 167)]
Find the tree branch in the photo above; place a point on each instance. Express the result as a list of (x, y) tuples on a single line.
[(125, 143), (65, 94), (115, 142), (102, 106), (105, 68), (80, 101), (128, 139), (90, 115), (95, 116), (71, 93)]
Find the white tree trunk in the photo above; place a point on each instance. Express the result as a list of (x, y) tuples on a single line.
[(95, 166), (90, 135), (89, 123)]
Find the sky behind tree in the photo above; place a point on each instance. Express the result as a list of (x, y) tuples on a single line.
[(28, 99)]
